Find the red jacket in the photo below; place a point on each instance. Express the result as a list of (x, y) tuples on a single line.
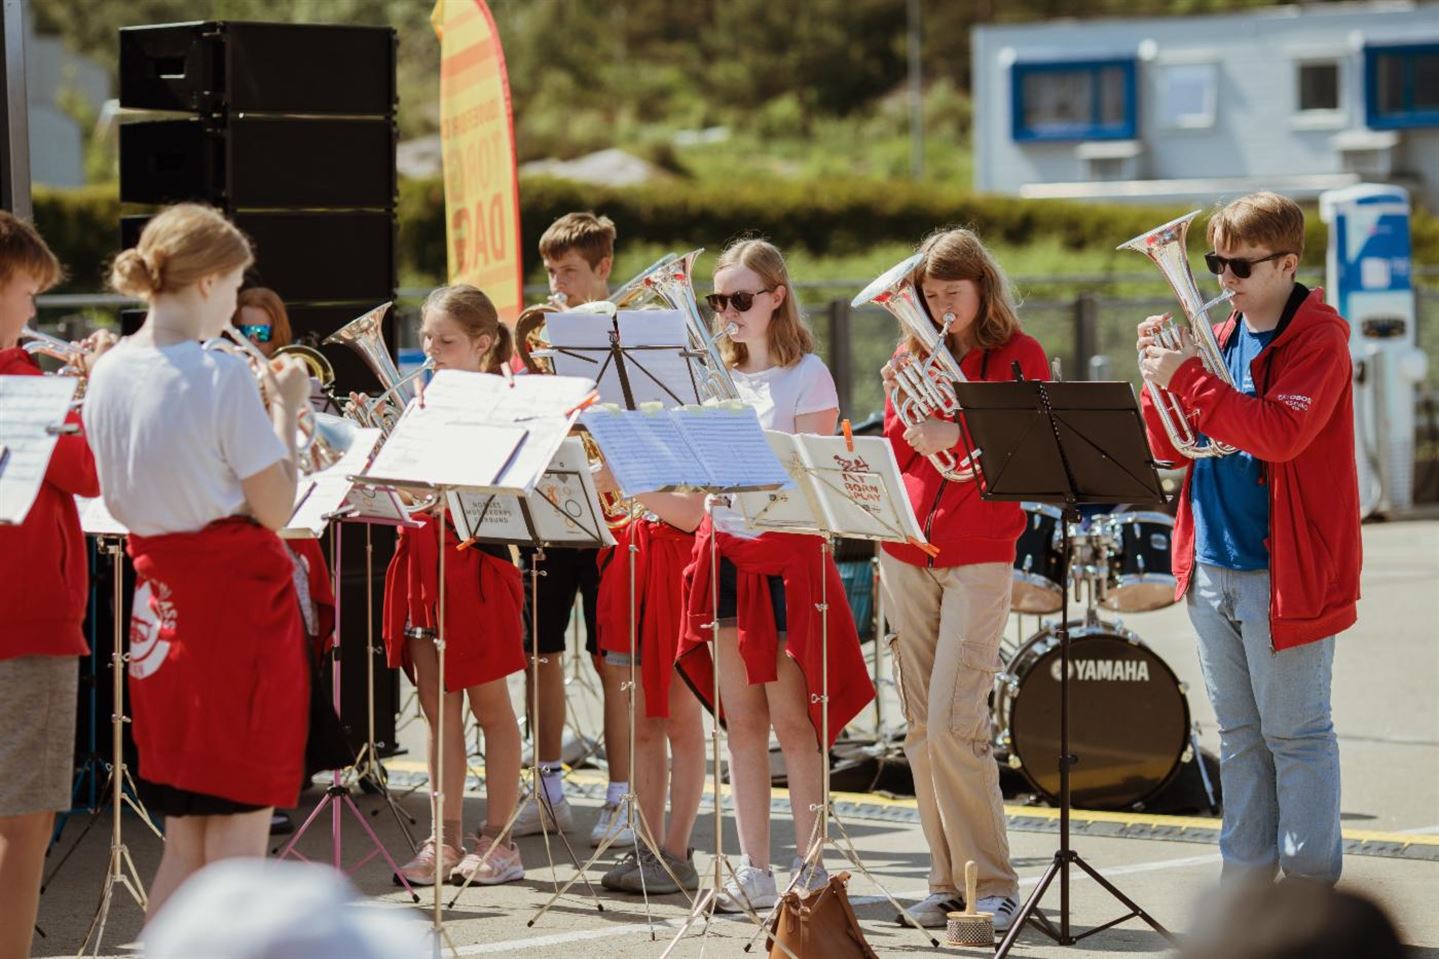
[(1300, 424), (965, 528), (44, 582)]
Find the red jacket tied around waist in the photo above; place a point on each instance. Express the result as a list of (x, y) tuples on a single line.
[(484, 602), (1300, 424), (798, 560), (43, 577), (218, 674), (963, 527), (661, 554)]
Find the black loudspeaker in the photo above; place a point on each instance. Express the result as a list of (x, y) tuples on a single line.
[(258, 67), (260, 162), (304, 257)]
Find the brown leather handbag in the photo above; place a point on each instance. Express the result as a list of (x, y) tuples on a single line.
[(819, 925)]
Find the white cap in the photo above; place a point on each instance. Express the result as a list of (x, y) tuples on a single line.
[(269, 909)]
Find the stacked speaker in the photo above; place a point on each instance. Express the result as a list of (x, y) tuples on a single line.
[(288, 129)]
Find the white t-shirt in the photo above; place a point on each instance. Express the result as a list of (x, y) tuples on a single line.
[(781, 393), (174, 430)]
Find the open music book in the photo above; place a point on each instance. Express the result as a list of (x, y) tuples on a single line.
[(709, 448), (845, 487), (34, 410), (563, 509)]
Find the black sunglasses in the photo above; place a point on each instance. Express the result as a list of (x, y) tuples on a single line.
[(1241, 268), (742, 300), (259, 332)]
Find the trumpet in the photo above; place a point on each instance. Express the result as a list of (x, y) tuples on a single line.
[(925, 385), (1164, 245), (67, 353)]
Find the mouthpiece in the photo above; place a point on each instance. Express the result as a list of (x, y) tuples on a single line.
[(559, 298), (731, 329)]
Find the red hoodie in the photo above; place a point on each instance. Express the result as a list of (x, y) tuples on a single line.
[(44, 583), (965, 528), (1300, 424)]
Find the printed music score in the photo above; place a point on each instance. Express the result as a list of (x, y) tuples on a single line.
[(31, 409), (96, 519), (563, 509), (690, 448), (320, 495), (848, 487), (480, 431)]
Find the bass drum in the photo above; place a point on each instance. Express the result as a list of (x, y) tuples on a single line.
[(1128, 717)]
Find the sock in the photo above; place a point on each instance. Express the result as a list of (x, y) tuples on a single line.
[(453, 837), (552, 775), (615, 792)]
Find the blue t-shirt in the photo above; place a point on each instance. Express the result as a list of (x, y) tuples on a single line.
[(1227, 493)]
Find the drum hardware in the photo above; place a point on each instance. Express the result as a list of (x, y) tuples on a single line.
[(1120, 561)]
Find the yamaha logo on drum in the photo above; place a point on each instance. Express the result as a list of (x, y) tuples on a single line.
[(1104, 670)]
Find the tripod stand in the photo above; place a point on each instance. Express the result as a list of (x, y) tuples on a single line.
[(1064, 443), (120, 870), (337, 794)]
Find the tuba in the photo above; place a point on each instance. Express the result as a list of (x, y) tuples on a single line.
[(925, 385), (1164, 245)]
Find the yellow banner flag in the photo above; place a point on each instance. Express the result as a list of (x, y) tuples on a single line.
[(477, 136)]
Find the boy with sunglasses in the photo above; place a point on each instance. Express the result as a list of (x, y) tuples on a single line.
[(1266, 541)]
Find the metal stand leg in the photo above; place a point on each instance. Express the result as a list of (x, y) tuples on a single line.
[(537, 785), (120, 869), (337, 796)]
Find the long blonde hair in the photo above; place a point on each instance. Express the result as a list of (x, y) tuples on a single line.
[(179, 247), (475, 313), (789, 335), (958, 254)]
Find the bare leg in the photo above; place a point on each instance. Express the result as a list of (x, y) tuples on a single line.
[(651, 772), (184, 855), (617, 732), (789, 709), (747, 724), (687, 767), (242, 835), (22, 868), (422, 654), (490, 703), (552, 705)]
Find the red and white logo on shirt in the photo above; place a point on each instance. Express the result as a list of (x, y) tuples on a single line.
[(152, 618)]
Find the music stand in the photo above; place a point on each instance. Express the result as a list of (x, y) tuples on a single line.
[(1067, 444)]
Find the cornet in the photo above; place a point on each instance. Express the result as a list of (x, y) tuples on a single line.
[(1164, 245), (68, 353), (925, 384)]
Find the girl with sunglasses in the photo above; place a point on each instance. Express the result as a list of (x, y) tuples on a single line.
[(949, 610), (770, 651)]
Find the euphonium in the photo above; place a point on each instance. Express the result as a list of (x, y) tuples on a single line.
[(1164, 245), (365, 335), (925, 384)]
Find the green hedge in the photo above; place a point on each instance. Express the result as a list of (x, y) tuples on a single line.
[(843, 216)]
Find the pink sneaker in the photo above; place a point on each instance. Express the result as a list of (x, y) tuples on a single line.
[(420, 871), (500, 864)]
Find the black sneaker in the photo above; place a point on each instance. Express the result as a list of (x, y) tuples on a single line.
[(281, 824)]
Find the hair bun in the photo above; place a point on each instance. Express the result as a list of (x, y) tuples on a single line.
[(130, 274)]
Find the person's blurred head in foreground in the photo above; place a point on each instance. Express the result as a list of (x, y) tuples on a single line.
[(1293, 919), (268, 909)]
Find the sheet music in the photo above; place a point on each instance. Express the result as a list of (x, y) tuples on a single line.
[(861, 491), (792, 510), (323, 493), (480, 431), (377, 504), (29, 405), (655, 342), (693, 448), (95, 518), (563, 508)]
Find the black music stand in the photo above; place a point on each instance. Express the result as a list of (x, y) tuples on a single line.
[(1066, 444)]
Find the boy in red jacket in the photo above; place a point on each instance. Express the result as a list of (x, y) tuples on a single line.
[(1266, 542), (43, 588)]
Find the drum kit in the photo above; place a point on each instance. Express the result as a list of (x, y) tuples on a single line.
[(1129, 716)]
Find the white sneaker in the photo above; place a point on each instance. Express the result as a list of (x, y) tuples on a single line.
[(1003, 909), (932, 912), (750, 888), (611, 822), (528, 823), (809, 878)]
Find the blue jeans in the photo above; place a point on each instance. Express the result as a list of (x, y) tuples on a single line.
[(1278, 758)]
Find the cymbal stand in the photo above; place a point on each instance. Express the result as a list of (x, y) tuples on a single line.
[(120, 869), (820, 835), (629, 803), (537, 786)]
